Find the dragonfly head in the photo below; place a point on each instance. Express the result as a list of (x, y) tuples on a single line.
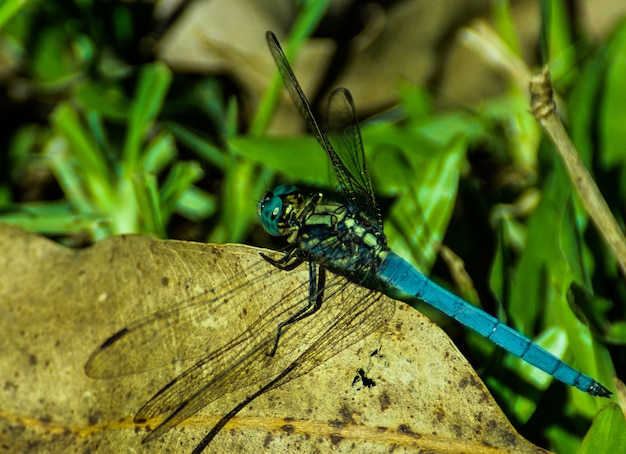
[(279, 209)]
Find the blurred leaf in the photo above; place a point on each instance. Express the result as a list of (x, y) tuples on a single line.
[(89, 157), (416, 101), (180, 179), (195, 204), (542, 272), (561, 51), (309, 16), (106, 99), (67, 173), (613, 133), (443, 128), (298, 158), (499, 273), (617, 333), (201, 146), (424, 179), (241, 183), (159, 153), (145, 188), (505, 25), (50, 218), (549, 265), (582, 106), (152, 87), (56, 62), (607, 433), (10, 8)]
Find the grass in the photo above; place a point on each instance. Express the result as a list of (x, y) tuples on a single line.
[(107, 141)]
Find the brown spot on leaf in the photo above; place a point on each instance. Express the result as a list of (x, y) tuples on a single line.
[(406, 430), (385, 401), (335, 439)]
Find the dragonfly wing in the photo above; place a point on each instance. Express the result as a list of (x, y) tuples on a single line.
[(192, 391), (345, 318), (347, 153), (151, 342), (348, 161), (180, 331), (295, 90)]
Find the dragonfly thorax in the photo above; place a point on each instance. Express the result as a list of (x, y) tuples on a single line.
[(333, 234), (342, 238)]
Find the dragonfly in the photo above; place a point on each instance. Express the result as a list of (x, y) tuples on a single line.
[(348, 238), (343, 235)]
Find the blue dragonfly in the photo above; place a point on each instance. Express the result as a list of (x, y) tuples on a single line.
[(343, 236), (347, 238)]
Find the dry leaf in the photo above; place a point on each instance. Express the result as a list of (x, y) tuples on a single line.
[(403, 388)]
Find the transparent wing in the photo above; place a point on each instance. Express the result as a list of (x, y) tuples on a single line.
[(180, 331), (345, 136), (348, 161), (344, 319), (229, 348)]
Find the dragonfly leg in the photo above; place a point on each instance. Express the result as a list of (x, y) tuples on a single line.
[(316, 296), (284, 262)]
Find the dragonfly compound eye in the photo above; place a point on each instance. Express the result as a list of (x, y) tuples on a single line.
[(270, 211), (272, 207)]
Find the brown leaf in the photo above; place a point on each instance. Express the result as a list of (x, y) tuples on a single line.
[(60, 305)]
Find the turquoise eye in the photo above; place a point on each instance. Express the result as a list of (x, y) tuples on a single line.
[(271, 208)]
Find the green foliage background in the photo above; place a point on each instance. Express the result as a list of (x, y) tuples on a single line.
[(99, 138)]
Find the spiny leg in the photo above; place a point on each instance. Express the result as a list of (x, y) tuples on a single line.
[(316, 297), (283, 263)]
